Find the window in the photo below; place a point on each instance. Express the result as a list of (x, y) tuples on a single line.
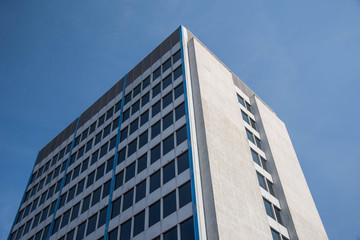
[(144, 118), (123, 134), (155, 153), (107, 130), (104, 149), (106, 190), (250, 136), (183, 162), (132, 147), (155, 109), (187, 229), (125, 232), (84, 165), (75, 211), (261, 180), (258, 142), (76, 172), (70, 235), (56, 224), (98, 138), (166, 65), (166, 81), (109, 113), (86, 204), (65, 219), (176, 56), (92, 128), (115, 124), (126, 115), (154, 213), (181, 135), (248, 106), (119, 179), (110, 164), (135, 107), (44, 214), (101, 120), (142, 163), (268, 209), (127, 98), (96, 196), (179, 90), (145, 99), (143, 139), (100, 171), (168, 144), (71, 194), (171, 234), (117, 106), (130, 172), (102, 217), (245, 117), (185, 194), (168, 172), (169, 204), (139, 223), (112, 143), (81, 231), (80, 187), (154, 181), (134, 126), (179, 111), (136, 90), (255, 157), (90, 179), (278, 215), (253, 124), (155, 130), (156, 73), (275, 234), (146, 82), (91, 224), (264, 163), (167, 100), (271, 187), (156, 90), (140, 191), (115, 210), (121, 156), (128, 199), (241, 100), (167, 121), (177, 72)]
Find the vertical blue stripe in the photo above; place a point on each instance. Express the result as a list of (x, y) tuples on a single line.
[(63, 181), (108, 214), (22, 200), (193, 195)]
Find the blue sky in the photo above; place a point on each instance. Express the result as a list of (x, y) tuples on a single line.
[(300, 57)]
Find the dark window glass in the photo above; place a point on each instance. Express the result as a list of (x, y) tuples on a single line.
[(169, 203), (38, 235), (128, 98), (80, 187), (241, 100), (65, 219), (167, 100), (176, 56), (155, 109), (75, 211), (125, 231), (104, 149), (185, 194), (106, 190), (139, 223), (275, 235), (91, 224), (81, 231), (140, 191), (88, 145), (154, 181), (145, 99), (119, 179), (167, 121), (156, 90), (134, 126), (98, 138), (126, 115), (55, 227), (67, 178), (166, 65), (181, 135), (113, 234), (52, 207), (156, 73), (248, 106), (90, 179), (146, 82), (92, 128), (110, 164), (86, 204), (155, 130), (70, 235), (107, 130), (100, 172), (143, 139), (76, 172), (261, 180), (123, 134), (43, 197), (255, 157), (71, 194), (117, 106), (44, 214), (168, 144), (96, 196), (264, 164), (144, 118), (250, 136), (27, 227), (109, 113), (135, 107), (35, 203), (115, 124), (130, 172), (77, 140), (121, 156), (271, 187), (115, 209), (154, 213), (278, 215), (245, 117), (180, 111), (187, 229), (166, 81), (142, 163), (253, 124), (268, 209), (171, 234), (48, 179), (84, 165), (58, 184), (168, 172), (177, 72), (68, 148), (132, 147), (136, 90), (101, 120), (258, 142), (155, 153), (183, 162), (56, 172), (179, 90), (112, 143), (102, 217), (128, 199)]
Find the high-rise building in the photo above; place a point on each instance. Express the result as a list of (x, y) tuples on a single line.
[(179, 148)]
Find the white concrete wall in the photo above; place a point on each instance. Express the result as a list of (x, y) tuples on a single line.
[(299, 202)]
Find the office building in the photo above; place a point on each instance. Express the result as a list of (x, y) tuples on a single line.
[(179, 148)]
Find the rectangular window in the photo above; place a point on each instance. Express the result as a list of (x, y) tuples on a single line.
[(115, 210), (154, 181), (119, 179), (155, 109), (136, 90), (109, 113), (140, 191), (123, 134), (134, 126), (103, 150), (250, 136), (92, 128), (110, 164), (96, 196), (121, 156), (80, 187), (102, 217), (127, 98), (101, 120), (89, 145), (135, 107), (130, 172), (146, 82), (75, 211), (166, 81), (128, 199), (139, 223), (100, 171), (65, 219), (245, 117), (156, 90), (167, 100), (177, 72), (115, 124), (107, 130), (106, 190), (183, 162), (155, 130), (156, 73), (155, 153), (112, 143), (142, 163), (181, 135), (169, 204), (145, 99), (90, 179), (171, 234), (143, 139), (179, 111), (86, 204), (168, 172), (268, 209), (125, 230), (126, 115), (117, 106), (261, 180), (81, 231), (241, 100), (166, 65), (154, 213), (176, 56), (185, 194), (91, 224), (132, 147), (98, 138), (144, 118)]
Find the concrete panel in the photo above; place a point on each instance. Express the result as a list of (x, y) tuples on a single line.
[(306, 220), (232, 200)]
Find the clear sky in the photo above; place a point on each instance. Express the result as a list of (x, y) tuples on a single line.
[(301, 57)]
